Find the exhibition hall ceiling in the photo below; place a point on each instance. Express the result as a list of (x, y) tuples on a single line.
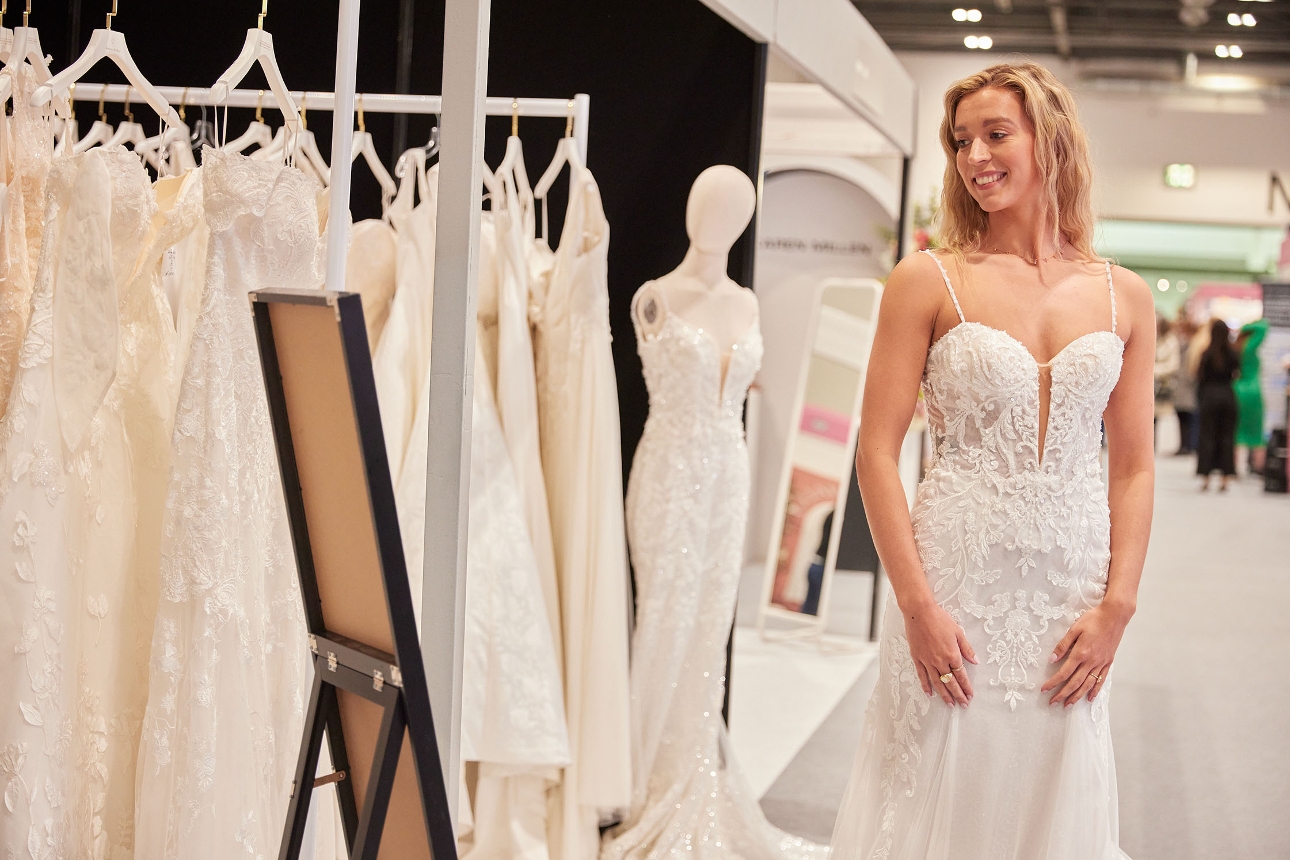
[(1163, 30)]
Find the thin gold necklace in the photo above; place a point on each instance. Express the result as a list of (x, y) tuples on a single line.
[(1061, 246)]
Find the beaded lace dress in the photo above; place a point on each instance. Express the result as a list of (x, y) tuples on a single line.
[(229, 668), (687, 508), (1015, 542)]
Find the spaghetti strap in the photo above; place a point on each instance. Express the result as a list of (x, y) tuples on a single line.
[(1111, 286), (950, 287)]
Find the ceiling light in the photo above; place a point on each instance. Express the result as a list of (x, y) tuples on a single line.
[(1220, 50), (974, 15), (985, 43), (971, 41), (961, 14), (1235, 51), (1163, 285), (1234, 19), (1248, 20), (1182, 286)]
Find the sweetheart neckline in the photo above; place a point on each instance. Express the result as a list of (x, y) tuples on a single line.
[(723, 357), (1024, 348)]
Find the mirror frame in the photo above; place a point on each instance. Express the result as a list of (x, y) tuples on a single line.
[(804, 626)]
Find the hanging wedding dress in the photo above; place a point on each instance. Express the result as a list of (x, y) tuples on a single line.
[(515, 380), (370, 271), (86, 441), (512, 713), (1015, 541), (401, 361), (29, 145), (229, 670), (687, 508), (582, 461)]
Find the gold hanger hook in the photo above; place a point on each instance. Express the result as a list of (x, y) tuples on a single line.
[(362, 123), (568, 121), (515, 117), (4, 7), (111, 15), (304, 110), (264, 12), (259, 107), (102, 98), (71, 102), (129, 116), (183, 103), (26, 13)]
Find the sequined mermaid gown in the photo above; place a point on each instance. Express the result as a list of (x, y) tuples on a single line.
[(1016, 545), (687, 506)]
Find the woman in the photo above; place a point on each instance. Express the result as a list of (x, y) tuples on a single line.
[(1184, 386), (1218, 366), (1167, 362), (1249, 394), (1024, 341)]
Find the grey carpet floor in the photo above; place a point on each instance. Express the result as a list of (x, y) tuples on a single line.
[(1201, 698)]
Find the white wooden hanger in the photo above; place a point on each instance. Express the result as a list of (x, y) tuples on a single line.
[(411, 171), (170, 153), (100, 131), (512, 168), (566, 152), (71, 129), (304, 144), (258, 48), (106, 44), (257, 133), (364, 146), (26, 46), (129, 131)]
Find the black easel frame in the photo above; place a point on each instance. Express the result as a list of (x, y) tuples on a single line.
[(394, 682)]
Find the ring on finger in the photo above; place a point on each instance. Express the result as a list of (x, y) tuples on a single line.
[(947, 677)]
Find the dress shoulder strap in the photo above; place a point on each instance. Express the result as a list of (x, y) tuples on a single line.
[(1110, 284), (948, 285)]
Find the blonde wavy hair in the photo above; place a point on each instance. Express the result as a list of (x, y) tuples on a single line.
[(1061, 151)]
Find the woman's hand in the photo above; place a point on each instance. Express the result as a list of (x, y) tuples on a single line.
[(939, 647), (1089, 649)]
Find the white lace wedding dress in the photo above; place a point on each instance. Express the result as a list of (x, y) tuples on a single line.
[(687, 507), (229, 672), (1015, 541), (86, 448)]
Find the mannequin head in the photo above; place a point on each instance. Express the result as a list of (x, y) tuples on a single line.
[(722, 202)]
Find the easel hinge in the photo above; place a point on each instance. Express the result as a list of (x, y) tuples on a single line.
[(313, 643), (331, 661), (396, 676), (378, 681)]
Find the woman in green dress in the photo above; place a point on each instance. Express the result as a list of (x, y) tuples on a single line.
[(1249, 394)]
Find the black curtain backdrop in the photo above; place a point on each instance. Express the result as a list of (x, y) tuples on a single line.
[(674, 89)]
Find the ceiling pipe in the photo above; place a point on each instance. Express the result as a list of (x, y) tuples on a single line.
[(1061, 32)]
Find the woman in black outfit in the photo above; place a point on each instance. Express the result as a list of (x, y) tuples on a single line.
[(1219, 365)]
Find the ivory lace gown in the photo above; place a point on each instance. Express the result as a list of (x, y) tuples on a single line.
[(1015, 543), (687, 507), (229, 671), (86, 453)]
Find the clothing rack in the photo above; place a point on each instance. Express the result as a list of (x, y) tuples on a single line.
[(576, 109)]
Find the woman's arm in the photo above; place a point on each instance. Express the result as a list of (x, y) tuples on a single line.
[(911, 302), (1089, 646)]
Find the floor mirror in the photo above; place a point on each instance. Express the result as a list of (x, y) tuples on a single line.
[(818, 458)]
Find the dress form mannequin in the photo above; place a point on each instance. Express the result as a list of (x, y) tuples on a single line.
[(721, 203)]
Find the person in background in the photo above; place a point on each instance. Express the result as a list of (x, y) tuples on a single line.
[(1168, 360), (1218, 366), (1249, 395), (1184, 385)]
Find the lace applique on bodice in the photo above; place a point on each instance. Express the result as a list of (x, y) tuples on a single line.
[(994, 507), (688, 379)]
